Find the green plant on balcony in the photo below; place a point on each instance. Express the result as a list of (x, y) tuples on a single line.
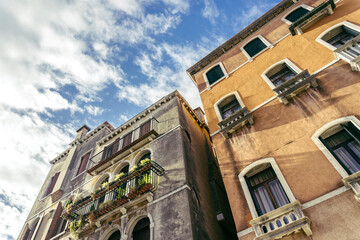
[(120, 192), (144, 162), (119, 176), (145, 179), (133, 169), (75, 227), (105, 185)]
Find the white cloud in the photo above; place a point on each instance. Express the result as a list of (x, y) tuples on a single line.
[(93, 110), (124, 118), (210, 10), (250, 13)]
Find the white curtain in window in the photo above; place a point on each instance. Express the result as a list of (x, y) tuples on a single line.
[(263, 199), (278, 193), (346, 159)]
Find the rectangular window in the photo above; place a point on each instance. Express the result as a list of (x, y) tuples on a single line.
[(145, 128), (266, 191), (127, 139), (282, 76), (83, 163), (111, 149), (345, 147), (52, 184)]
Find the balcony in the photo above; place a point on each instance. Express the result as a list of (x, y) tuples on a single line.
[(353, 181), (310, 18), (235, 121), (293, 86), (281, 222), (124, 146), (350, 52), (130, 189)]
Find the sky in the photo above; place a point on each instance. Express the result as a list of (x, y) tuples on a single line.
[(66, 63)]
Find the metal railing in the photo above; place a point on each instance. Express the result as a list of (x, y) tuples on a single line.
[(117, 193)]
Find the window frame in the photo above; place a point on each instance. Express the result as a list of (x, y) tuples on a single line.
[(217, 108), (286, 61), (266, 42), (226, 75), (257, 164), (307, 7), (344, 23), (78, 165), (47, 193), (328, 126)]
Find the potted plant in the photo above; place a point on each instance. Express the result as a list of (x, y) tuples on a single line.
[(145, 161), (119, 176), (75, 227), (133, 169)]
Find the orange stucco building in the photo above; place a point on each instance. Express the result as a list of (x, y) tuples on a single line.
[(281, 99)]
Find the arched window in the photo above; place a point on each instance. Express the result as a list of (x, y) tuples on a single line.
[(214, 74), (255, 46), (228, 105), (338, 35), (280, 73), (265, 187), (141, 230), (115, 236), (296, 13), (341, 139)]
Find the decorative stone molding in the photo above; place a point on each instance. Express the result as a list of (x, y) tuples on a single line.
[(235, 121), (350, 52), (353, 181), (295, 85), (309, 19), (281, 222)]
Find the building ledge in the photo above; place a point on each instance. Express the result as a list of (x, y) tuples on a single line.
[(310, 18), (353, 181), (235, 121), (281, 222), (295, 85)]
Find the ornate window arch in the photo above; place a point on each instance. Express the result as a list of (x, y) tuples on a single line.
[(110, 231), (99, 181), (147, 152), (279, 189), (135, 220), (122, 167)]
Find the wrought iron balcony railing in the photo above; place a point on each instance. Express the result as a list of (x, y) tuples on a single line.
[(350, 52), (235, 121), (310, 18), (123, 146), (116, 194), (281, 222), (295, 85)]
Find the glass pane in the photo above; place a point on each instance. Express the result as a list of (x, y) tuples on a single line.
[(278, 193), (254, 47), (347, 160), (214, 74), (230, 108), (298, 13), (263, 200)]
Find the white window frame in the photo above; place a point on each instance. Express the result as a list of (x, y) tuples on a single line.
[(333, 124), (287, 14), (287, 62), (266, 42), (344, 23), (257, 164), (226, 75), (216, 105)]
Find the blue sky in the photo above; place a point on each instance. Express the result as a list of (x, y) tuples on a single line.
[(65, 63)]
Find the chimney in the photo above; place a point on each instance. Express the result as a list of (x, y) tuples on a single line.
[(82, 132)]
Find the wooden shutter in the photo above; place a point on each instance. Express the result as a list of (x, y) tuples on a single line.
[(83, 164), (145, 128), (115, 146), (127, 139), (52, 184)]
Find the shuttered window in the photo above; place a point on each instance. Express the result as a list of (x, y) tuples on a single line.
[(52, 184), (111, 149), (127, 139), (83, 164), (145, 128)]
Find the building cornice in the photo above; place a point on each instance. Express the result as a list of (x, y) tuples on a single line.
[(239, 37)]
